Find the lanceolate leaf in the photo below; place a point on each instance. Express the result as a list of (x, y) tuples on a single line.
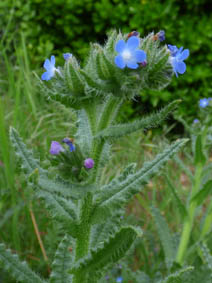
[(113, 196), (153, 120), (179, 204), (29, 163), (62, 261), (177, 276), (111, 251), (20, 271), (203, 193), (165, 236)]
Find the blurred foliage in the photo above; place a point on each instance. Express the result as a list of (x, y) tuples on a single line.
[(56, 26)]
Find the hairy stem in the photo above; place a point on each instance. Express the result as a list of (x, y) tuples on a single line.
[(108, 115), (83, 235)]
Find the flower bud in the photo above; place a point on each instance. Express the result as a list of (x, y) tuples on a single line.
[(89, 163)]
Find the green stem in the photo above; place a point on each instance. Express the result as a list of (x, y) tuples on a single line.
[(190, 218), (108, 115), (83, 237)]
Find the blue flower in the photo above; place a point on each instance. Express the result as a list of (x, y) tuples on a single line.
[(56, 148), (50, 69), (161, 35), (129, 54), (203, 102), (196, 121), (119, 279), (67, 56), (69, 142), (177, 57)]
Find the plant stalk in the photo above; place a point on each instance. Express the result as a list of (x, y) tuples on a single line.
[(190, 218)]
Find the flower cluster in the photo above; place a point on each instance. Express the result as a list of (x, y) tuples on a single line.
[(177, 57), (56, 148), (129, 55)]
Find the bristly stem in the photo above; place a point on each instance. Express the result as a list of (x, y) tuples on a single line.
[(83, 235), (108, 115)]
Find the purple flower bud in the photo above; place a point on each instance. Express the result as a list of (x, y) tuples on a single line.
[(107, 277), (161, 35), (89, 163), (67, 56), (196, 121), (56, 148)]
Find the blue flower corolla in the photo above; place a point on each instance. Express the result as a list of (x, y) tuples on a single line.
[(69, 142), (177, 58), (129, 54), (67, 56), (56, 148), (119, 279), (203, 102), (196, 121), (49, 65)]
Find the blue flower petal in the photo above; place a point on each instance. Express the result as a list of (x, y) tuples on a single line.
[(120, 45), (132, 65), (46, 76), (119, 61), (140, 56), (180, 67), (52, 60), (133, 42), (184, 55), (173, 49), (47, 64)]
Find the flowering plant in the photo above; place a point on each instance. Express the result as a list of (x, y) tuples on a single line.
[(89, 214)]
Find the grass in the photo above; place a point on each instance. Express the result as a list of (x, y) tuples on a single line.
[(39, 122)]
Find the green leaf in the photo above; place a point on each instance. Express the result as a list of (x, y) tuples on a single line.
[(199, 155), (114, 196), (179, 204), (84, 134), (207, 256), (165, 237), (19, 270), (177, 276), (29, 163), (150, 121), (200, 196), (62, 261), (111, 251)]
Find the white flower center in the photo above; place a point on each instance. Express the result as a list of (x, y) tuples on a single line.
[(126, 54)]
